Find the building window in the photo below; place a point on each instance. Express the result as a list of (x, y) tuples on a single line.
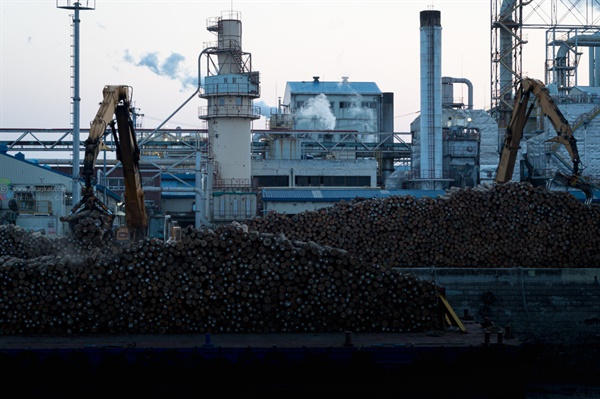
[(25, 201), (273, 181), (115, 183), (333, 181)]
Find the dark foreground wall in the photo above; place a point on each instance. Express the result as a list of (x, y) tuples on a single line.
[(549, 305)]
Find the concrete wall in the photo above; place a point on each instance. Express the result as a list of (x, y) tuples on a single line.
[(551, 305)]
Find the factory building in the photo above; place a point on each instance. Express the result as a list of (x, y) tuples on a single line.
[(331, 140), (329, 134), (42, 194)]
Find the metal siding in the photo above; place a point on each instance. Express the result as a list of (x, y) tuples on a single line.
[(24, 172)]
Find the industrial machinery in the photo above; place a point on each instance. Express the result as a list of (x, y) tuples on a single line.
[(117, 102), (514, 134)]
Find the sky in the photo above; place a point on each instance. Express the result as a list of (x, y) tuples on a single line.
[(154, 46)]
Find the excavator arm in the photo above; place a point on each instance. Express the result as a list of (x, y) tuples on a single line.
[(128, 153), (116, 103), (514, 133)]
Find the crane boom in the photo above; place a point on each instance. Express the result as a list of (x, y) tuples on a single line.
[(514, 134), (116, 103)]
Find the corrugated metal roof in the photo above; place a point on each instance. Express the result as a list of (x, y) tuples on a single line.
[(363, 88), (335, 195), (31, 162), (20, 163)]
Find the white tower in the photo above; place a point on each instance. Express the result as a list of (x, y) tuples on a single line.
[(229, 86)]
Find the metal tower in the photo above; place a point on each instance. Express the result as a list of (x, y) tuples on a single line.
[(229, 86), (76, 6), (569, 25)]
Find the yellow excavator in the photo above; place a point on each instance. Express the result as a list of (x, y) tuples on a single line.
[(514, 133), (115, 104)]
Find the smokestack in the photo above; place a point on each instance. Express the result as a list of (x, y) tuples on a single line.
[(431, 96)]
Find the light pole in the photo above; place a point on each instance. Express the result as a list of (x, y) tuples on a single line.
[(76, 6)]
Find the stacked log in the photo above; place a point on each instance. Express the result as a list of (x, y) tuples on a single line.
[(508, 225), (90, 227), (329, 270), (230, 279)]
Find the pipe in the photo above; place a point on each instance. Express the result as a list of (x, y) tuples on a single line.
[(449, 80), (506, 46), (560, 62), (200, 197), (157, 161), (593, 42)]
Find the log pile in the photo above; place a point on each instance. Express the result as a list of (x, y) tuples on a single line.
[(330, 270), (508, 225), (230, 279), (90, 227)]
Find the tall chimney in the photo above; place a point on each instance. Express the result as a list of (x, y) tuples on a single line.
[(431, 96)]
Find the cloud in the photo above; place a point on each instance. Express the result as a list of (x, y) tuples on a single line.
[(172, 66)]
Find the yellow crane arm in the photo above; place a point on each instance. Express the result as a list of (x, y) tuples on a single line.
[(514, 134), (112, 96)]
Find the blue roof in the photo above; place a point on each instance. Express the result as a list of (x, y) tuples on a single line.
[(33, 162), (335, 195), (362, 88), (36, 164)]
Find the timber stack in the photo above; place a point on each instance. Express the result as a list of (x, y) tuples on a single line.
[(330, 270), (91, 228), (497, 226), (225, 280)]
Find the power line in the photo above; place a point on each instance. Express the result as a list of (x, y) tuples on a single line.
[(412, 113)]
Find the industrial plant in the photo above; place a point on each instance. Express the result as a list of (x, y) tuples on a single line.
[(326, 140), (325, 255)]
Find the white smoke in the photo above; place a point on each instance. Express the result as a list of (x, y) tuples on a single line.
[(265, 109), (363, 118), (173, 67), (315, 114)]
